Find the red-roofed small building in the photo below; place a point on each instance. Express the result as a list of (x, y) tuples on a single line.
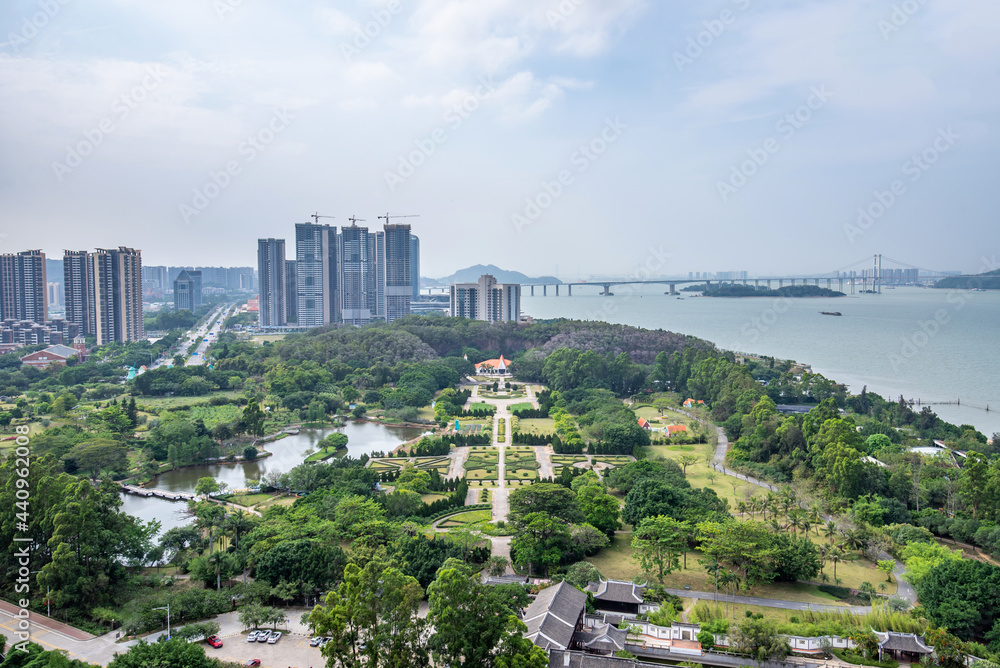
[(498, 367), (644, 423), (676, 429)]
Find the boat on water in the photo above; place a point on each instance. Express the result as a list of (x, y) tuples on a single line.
[(830, 313)]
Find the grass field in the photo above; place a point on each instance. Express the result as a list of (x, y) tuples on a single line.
[(524, 405), (171, 402), (537, 426), (249, 500), (464, 519), (261, 338), (325, 453), (431, 498)]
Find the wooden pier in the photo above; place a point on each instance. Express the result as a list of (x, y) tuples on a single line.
[(169, 496)]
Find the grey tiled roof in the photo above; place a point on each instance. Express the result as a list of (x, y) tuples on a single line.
[(617, 591), (903, 642), (552, 617)]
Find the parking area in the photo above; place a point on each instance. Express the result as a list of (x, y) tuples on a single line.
[(292, 651)]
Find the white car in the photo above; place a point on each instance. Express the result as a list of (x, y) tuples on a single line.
[(252, 636), (275, 637)]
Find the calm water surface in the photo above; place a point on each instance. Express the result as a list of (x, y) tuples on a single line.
[(936, 345), (289, 452)]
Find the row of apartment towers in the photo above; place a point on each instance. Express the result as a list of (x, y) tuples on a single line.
[(352, 277), (102, 291)]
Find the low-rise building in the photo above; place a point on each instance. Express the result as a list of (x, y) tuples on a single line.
[(57, 354)]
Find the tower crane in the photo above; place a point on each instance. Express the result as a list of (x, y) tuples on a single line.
[(386, 217), (355, 220), (316, 216)]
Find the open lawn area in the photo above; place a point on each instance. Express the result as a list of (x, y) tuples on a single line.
[(464, 519), (248, 500), (537, 426), (523, 406), (616, 562), (157, 403), (261, 338), (431, 498)]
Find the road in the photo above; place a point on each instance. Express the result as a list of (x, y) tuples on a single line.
[(206, 335)]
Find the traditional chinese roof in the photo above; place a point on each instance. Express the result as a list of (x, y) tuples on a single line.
[(605, 639), (902, 642), (617, 591), (552, 617)]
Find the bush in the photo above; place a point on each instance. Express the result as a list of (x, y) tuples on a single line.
[(839, 592), (848, 656)]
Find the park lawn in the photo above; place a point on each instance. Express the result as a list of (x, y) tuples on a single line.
[(171, 402), (480, 474), (523, 406), (541, 426), (249, 500), (325, 453), (480, 407), (698, 473), (471, 517), (524, 482), (567, 459), (521, 474), (431, 498), (425, 413), (261, 338), (384, 465), (277, 501)]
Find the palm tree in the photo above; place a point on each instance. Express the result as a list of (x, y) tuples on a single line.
[(238, 523), (836, 555), (772, 503), (742, 507), (830, 530), (855, 539), (815, 516)]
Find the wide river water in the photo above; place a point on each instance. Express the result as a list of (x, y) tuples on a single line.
[(289, 452), (933, 345)]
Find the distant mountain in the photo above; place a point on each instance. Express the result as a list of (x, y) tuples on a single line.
[(988, 281), (472, 274)]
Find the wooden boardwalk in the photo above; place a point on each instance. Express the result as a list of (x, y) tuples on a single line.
[(169, 496)]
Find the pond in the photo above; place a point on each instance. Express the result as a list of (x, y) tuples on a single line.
[(289, 452)]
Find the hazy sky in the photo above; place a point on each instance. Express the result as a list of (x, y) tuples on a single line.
[(578, 136)]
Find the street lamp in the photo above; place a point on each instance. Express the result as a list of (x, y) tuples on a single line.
[(168, 618)]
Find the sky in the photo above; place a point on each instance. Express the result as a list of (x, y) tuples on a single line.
[(566, 137)]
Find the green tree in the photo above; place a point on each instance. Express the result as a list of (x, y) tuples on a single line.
[(659, 542), (206, 486), (599, 508), (552, 499), (375, 606), (168, 654), (760, 639), (253, 419), (99, 455), (469, 618), (541, 541)]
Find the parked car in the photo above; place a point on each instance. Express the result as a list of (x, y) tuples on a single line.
[(252, 636), (275, 637), (263, 635), (252, 662), (315, 641), (214, 641)]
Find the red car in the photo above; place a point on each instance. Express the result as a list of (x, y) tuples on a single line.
[(214, 641), (252, 662)]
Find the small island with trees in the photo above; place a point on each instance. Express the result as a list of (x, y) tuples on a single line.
[(793, 291)]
